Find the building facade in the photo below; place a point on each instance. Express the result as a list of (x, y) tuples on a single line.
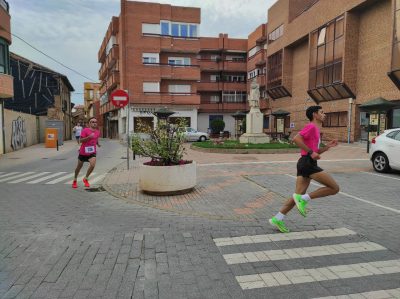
[(6, 79), (91, 99), (340, 54), (222, 86), (40, 91)]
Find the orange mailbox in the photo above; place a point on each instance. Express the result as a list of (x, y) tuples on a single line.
[(51, 137)]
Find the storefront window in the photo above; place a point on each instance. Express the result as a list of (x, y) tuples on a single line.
[(396, 118)]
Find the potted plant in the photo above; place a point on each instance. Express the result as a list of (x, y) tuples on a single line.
[(166, 173)]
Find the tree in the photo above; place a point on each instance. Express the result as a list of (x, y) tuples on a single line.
[(217, 125)]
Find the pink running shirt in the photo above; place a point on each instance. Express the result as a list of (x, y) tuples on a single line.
[(89, 147), (311, 136)]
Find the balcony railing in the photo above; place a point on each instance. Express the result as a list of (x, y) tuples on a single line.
[(4, 4), (170, 98)]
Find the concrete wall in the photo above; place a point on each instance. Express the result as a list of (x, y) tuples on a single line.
[(22, 130), (203, 122)]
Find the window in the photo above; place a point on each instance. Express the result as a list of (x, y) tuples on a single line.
[(193, 30), (212, 117), (184, 30), (274, 35), (151, 86), (215, 57), (392, 135), (235, 58), (214, 99), (234, 78), (164, 28), (274, 66), (175, 29), (112, 41), (179, 60), (326, 55), (179, 88), (214, 78), (335, 119), (234, 96), (266, 122), (252, 74), (2, 59), (149, 58), (396, 118), (150, 28), (253, 51)]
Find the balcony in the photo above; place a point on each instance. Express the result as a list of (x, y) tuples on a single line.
[(179, 45), (7, 86), (235, 66), (208, 65), (172, 72), (103, 71), (113, 80), (5, 21), (223, 107), (112, 56), (238, 86), (169, 98), (209, 86), (261, 80)]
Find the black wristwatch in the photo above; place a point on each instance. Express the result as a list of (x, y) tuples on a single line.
[(310, 152)]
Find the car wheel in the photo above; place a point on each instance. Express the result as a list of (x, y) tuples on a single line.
[(380, 162), (202, 138)]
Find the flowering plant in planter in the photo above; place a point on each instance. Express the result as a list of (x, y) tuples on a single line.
[(164, 144)]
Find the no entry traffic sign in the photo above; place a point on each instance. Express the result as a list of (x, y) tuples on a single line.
[(119, 98)]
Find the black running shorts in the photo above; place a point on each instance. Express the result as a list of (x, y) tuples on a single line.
[(307, 166), (86, 158)]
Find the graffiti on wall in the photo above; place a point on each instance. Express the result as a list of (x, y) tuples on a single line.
[(18, 135)]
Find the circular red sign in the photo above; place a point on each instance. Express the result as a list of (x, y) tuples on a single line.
[(119, 98)]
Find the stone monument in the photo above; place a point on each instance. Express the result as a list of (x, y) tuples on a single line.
[(254, 119)]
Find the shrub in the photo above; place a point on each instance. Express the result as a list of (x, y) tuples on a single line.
[(164, 144), (217, 125)]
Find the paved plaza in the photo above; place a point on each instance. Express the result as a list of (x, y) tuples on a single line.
[(112, 241)]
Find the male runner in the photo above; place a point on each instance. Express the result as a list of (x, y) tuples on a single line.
[(77, 130), (87, 151), (308, 139)]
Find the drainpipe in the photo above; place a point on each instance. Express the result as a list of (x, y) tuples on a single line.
[(351, 101)]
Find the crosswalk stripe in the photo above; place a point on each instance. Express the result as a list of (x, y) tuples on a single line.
[(97, 179), (29, 177), (15, 176), (291, 277), (79, 179), (60, 179), (337, 232), (46, 177), (7, 174), (304, 252), (382, 294)]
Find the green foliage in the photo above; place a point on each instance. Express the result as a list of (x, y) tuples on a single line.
[(164, 145), (217, 125)]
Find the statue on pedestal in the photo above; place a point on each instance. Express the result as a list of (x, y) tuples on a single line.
[(254, 97)]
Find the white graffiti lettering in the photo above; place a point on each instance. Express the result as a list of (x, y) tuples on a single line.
[(18, 135)]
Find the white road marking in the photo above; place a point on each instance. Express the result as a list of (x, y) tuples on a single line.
[(274, 162), (356, 198), (29, 177), (291, 277), (301, 252), (79, 180), (7, 174), (381, 294), (63, 178), (15, 176), (46, 177), (380, 175), (322, 233)]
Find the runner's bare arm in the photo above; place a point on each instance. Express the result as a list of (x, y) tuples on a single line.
[(330, 144), (84, 139)]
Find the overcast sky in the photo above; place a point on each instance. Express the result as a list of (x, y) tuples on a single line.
[(71, 31)]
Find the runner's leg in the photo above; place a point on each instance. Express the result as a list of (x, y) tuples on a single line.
[(92, 164), (302, 184), (78, 169), (324, 178)]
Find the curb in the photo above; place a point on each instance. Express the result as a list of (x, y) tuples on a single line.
[(244, 151)]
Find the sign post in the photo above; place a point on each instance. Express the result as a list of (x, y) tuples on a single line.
[(120, 98)]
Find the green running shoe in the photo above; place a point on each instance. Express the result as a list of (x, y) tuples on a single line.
[(279, 224), (301, 204)]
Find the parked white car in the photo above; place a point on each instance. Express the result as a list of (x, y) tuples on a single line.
[(385, 151), (194, 135)]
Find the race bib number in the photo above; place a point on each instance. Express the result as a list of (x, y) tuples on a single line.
[(89, 149)]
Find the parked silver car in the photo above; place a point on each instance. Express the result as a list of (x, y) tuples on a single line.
[(194, 135)]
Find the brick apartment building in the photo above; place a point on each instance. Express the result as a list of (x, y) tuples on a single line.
[(340, 54), (91, 100), (6, 80), (337, 53)]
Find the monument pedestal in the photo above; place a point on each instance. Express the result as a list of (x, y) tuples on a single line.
[(254, 128)]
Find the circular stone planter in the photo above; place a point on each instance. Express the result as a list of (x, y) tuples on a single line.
[(245, 151), (167, 180)]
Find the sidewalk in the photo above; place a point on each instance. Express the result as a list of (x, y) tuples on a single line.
[(228, 185)]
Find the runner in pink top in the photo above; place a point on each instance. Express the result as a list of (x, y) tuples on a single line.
[(87, 152), (308, 139)]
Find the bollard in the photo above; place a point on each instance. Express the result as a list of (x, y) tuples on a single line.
[(57, 145)]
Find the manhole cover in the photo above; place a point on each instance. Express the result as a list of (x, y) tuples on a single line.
[(95, 189)]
